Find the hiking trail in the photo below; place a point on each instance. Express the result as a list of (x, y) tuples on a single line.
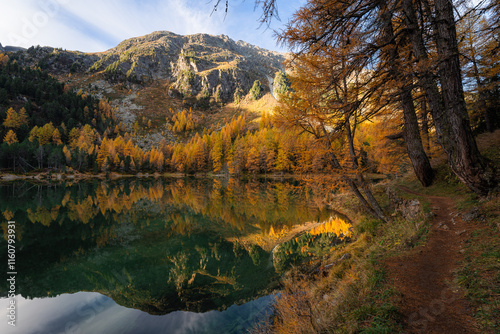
[(431, 302)]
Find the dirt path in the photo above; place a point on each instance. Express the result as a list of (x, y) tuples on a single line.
[(431, 303)]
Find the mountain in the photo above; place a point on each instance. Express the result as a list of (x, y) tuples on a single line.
[(9, 48), (199, 65), (149, 80)]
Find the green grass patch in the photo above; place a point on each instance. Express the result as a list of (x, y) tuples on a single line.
[(480, 275)]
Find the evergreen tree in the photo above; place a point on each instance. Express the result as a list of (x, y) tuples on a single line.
[(256, 90)]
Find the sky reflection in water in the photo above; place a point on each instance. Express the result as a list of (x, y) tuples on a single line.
[(91, 312)]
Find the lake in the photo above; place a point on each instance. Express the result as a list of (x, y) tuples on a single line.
[(151, 255)]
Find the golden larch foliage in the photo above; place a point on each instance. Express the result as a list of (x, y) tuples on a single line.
[(10, 138), (335, 225)]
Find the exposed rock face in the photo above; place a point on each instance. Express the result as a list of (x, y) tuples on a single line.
[(200, 65)]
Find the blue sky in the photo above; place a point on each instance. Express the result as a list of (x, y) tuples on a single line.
[(98, 25)]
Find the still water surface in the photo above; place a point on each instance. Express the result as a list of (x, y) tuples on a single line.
[(148, 256)]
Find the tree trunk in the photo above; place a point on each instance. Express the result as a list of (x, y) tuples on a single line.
[(374, 205), (416, 152), (371, 199), (425, 125), (415, 149), (370, 203), (451, 121), (466, 161)]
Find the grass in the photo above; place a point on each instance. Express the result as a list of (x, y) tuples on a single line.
[(252, 109), (479, 273)]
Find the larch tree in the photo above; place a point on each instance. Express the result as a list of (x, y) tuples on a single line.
[(368, 25), (10, 138), (67, 154), (482, 52), (330, 107), (103, 153), (331, 82), (391, 63), (217, 153), (472, 43), (56, 137), (429, 25), (252, 163), (15, 119)]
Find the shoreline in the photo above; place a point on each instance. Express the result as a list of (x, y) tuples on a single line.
[(58, 176)]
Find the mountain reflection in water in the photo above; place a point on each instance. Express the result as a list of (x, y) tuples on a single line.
[(154, 246)]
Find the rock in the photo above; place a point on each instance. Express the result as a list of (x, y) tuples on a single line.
[(443, 226), (409, 209), (9, 48), (473, 214), (199, 65), (460, 232)]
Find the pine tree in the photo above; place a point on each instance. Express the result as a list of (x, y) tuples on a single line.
[(256, 90)]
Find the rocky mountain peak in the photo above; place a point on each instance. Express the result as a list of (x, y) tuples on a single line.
[(198, 65)]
